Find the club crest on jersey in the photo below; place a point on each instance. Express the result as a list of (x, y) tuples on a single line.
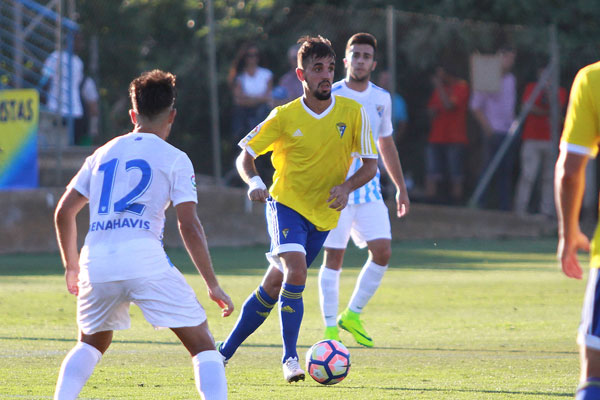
[(285, 232), (193, 179), (379, 109), (341, 127)]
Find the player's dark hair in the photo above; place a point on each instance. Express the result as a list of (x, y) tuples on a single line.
[(314, 47), (152, 92), (362, 38)]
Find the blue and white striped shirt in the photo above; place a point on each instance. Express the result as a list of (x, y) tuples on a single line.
[(378, 104)]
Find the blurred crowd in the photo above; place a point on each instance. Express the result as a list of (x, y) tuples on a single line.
[(467, 126)]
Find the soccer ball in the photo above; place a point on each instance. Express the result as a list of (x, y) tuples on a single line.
[(328, 362)]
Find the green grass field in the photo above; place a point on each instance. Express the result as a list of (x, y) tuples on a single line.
[(454, 319)]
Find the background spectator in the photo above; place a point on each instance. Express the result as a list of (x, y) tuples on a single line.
[(495, 112), (447, 140), (536, 151), (88, 126), (72, 78), (251, 86), (289, 86)]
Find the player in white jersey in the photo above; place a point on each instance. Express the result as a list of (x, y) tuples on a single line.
[(365, 218), (129, 183)]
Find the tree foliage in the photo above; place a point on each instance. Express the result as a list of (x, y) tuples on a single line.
[(137, 35)]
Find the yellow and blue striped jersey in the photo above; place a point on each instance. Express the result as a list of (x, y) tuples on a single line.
[(581, 133), (312, 153)]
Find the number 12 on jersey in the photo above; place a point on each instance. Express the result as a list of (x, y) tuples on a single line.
[(109, 169)]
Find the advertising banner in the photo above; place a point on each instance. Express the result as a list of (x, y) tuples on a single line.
[(19, 116)]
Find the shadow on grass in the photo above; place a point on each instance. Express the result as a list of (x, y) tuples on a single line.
[(448, 392), (466, 255), (277, 346)]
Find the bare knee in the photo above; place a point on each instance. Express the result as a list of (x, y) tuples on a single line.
[(333, 258), (272, 282), (100, 340), (590, 363), (294, 265), (380, 251)]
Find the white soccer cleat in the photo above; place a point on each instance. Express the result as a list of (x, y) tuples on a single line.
[(292, 371)]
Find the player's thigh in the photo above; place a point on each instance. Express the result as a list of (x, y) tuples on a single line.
[(288, 230), (166, 300), (338, 236), (372, 221), (102, 307)]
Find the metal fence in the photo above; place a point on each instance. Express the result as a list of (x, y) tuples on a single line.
[(29, 33)]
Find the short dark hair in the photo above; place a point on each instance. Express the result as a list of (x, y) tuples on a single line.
[(316, 47), (152, 92), (362, 38)]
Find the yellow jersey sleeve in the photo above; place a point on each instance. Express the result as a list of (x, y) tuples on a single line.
[(581, 133), (260, 139)]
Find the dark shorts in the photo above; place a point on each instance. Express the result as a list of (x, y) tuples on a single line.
[(589, 329), (290, 231)]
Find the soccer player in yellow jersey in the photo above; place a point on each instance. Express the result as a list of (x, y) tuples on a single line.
[(313, 140), (580, 139)]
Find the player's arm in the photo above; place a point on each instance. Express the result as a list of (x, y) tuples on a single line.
[(257, 190), (194, 239), (65, 223), (338, 195), (391, 161), (569, 189)]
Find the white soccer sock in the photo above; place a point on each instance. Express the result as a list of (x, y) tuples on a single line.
[(76, 369), (209, 373), (329, 293), (368, 281)]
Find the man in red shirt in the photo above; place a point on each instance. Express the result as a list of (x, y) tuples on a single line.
[(536, 151), (448, 135)]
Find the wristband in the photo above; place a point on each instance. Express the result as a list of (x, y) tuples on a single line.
[(255, 183)]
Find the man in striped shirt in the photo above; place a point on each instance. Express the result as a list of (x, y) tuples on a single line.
[(365, 218)]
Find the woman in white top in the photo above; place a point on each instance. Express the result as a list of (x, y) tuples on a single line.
[(251, 87)]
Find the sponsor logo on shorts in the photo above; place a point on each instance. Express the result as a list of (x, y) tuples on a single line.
[(285, 232)]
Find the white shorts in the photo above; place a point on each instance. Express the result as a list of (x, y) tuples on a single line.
[(166, 300), (363, 222)]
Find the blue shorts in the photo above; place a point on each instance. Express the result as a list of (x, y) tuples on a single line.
[(589, 329), (290, 231)]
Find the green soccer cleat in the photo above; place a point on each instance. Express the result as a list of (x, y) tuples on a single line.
[(350, 321), (332, 333), (218, 346)]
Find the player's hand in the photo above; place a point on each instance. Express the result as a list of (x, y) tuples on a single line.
[(338, 197), (222, 299), (72, 278), (402, 203), (260, 195), (567, 254)]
